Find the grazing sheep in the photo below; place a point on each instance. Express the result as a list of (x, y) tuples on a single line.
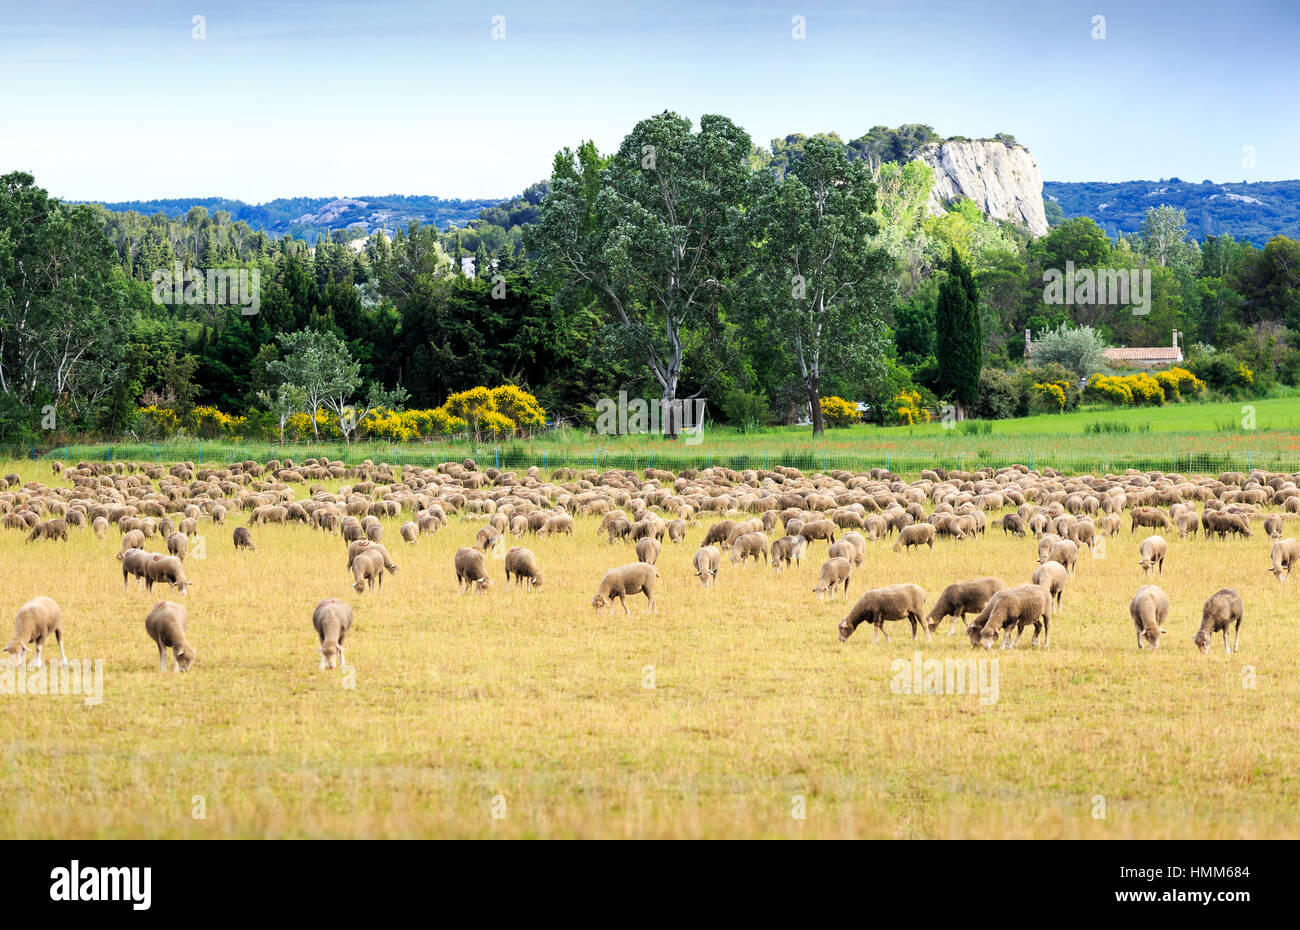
[(134, 539), (1111, 524), (647, 550), (166, 569), (560, 523), (718, 533), (365, 545), (100, 526), (1011, 523), (895, 602), (1065, 552), (50, 529), (332, 619), (244, 539), (487, 537), (1153, 551), (1273, 526), (1187, 523), (918, 534), (368, 571), (676, 530), (1021, 606), (1223, 524), (1052, 576), (859, 544), (178, 544), (819, 529), (36, 620), (962, 598), (707, 560), (619, 527), (1223, 609), (1148, 516), (471, 571), (787, 549), (835, 573), (409, 531), (522, 564), (133, 563), (165, 625), (1285, 553), (749, 546), (1148, 609), (618, 583)]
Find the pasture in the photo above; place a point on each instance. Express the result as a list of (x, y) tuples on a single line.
[(728, 712)]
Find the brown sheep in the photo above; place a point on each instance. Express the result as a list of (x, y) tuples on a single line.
[(749, 546), (618, 583), (895, 602), (647, 550), (1273, 526), (522, 564), (1153, 550), (1065, 552), (165, 625), (471, 571), (166, 569), (50, 529), (1187, 523), (368, 571), (1148, 516), (100, 526), (676, 530), (1285, 554), (835, 573), (36, 621), (918, 534), (1148, 609), (365, 545), (134, 539), (487, 537), (619, 528), (1223, 609), (819, 529), (244, 539), (962, 598), (718, 533), (409, 531), (178, 544), (1011, 523), (133, 563), (707, 560), (787, 549), (1021, 606), (332, 619), (560, 523), (1052, 576)]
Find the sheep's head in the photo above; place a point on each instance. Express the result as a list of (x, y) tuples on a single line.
[(599, 602), (846, 628), (537, 581), (360, 586), (1202, 641), (329, 655), (483, 584), (185, 656), (17, 652)]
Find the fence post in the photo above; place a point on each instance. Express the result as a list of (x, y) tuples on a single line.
[(200, 451), (155, 452), (109, 456)]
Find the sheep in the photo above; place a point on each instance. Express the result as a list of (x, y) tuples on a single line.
[(1187, 523), (618, 583), (1148, 516), (619, 527), (178, 544), (36, 620), (1052, 576), (787, 549), (859, 544), (1065, 552), (895, 602), (819, 529), (365, 545), (1111, 524), (707, 560), (166, 569), (1222, 524), (487, 537), (1021, 606), (50, 529), (749, 546), (1011, 523), (332, 619), (718, 533), (471, 571), (165, 625), (244, 539), (560, 523), (1223, 608), (1148, 609), (522, 564), (368, 571), (918, 534), (133, 539), (1285, 553), (409, 531), (1273, 526), (835, 573), (676, 530), (962, 598), (647, 550), (1153, 551), (100, 526), (133, 563)]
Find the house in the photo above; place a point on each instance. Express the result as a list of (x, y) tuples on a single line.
[(1144, 357)]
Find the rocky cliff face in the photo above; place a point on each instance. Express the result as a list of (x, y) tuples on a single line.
[(1002, 179)]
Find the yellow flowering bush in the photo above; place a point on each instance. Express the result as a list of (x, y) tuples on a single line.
[(908, 409), (1052, 394), (160, 422), (837, 411)]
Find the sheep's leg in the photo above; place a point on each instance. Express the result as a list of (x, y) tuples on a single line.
[(1047, 632), (40, 646), (343, 657), (322, 659), (162, 658), (58, 635), (622, 600)]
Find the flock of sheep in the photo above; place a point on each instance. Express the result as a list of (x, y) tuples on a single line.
[(776, 516)]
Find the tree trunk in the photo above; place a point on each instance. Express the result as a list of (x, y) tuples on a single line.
[(815, 408)]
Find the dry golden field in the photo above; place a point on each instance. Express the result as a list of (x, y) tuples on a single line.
[(730, 712)]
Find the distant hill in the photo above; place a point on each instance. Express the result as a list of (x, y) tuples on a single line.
[(309, 217), (1254, 211)]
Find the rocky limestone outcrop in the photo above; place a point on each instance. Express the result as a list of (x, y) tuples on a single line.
[(1002, 179)]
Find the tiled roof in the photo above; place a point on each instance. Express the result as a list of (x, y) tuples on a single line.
[(1161, 352)]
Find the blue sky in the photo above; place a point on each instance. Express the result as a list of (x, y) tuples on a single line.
[(114, 99)]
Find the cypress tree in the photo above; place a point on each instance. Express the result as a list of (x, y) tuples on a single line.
[(959, 340)]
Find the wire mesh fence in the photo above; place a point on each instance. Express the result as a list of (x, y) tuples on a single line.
[(808, 459)]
